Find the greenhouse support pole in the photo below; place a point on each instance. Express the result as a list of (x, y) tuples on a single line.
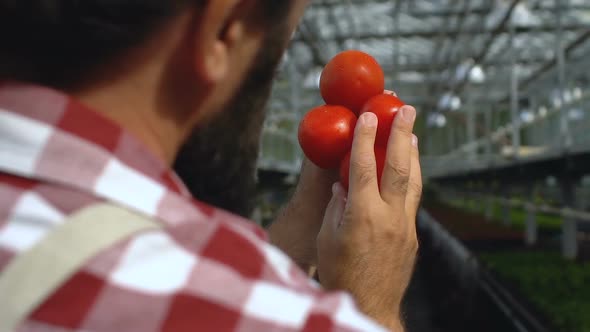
[(506, 205), (430, 149), (295, 103), (533, 134), (489, 212), (490, 201), (396, 39), (470, 109), (565, 135), (450, 134), (585, 201), (569, 229), (531, 229), (514, 94), (488, 126)]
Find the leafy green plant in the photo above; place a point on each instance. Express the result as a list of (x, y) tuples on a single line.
[(559, 288), (517, 215)]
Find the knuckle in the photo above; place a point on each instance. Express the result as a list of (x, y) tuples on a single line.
[(391, 233), (364, 159), (338, 244), (364, 173), (403, 129), (415, 189), (364, 178), (410, 242), (399, 169), (400, 184)]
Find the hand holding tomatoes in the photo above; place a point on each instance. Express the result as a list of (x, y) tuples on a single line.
[(367, 244)]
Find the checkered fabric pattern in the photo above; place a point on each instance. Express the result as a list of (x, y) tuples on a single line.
[(207, 270)]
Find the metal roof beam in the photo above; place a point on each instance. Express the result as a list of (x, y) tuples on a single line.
[(490, 38), (447, 58), (431, 34), (552, 63), (440, 43), (426, 66), (502, 26), (442, 12), (446, 55)]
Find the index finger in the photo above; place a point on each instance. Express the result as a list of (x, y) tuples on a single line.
[(363, 166)]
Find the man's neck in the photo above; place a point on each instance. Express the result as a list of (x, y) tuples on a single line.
[(134, 107)]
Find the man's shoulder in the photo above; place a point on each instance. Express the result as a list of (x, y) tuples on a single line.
[(31, 209), (214, 238)]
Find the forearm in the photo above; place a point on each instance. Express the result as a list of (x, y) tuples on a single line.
[(284, 233)]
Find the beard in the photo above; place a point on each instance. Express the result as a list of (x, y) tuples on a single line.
[(218, 162)]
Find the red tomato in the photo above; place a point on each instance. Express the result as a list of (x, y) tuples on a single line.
[(325, 135), (385, 106), (380, 153), (350, 79)]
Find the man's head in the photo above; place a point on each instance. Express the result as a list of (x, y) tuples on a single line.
[(57, 42), (167, 70), (218, 162)]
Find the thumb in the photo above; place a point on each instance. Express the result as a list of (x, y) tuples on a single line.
[(335, 209)]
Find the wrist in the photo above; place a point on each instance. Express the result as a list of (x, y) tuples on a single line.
[(396, 325), (390, 319), (385, 313)]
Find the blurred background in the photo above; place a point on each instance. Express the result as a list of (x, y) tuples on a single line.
[(503, 93)]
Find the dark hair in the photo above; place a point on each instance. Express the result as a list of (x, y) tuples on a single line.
[(56, 42)]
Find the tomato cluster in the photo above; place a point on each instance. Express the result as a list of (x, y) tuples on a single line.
[(352, 83)]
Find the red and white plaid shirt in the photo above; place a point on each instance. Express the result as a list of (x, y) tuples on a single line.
[(207, 270)]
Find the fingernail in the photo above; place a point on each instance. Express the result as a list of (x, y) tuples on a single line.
[(408, 113), (369, 119), (414, 141), (335, 189)]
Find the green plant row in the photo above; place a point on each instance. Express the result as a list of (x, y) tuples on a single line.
[(517, 215), (559, 288)]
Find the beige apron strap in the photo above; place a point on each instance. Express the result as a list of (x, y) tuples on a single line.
[(30, 278)]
